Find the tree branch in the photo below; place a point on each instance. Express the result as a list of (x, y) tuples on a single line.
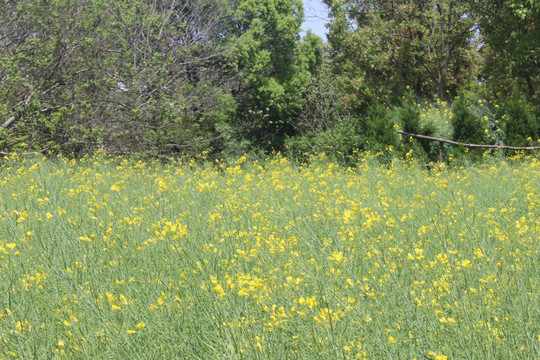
[(469, 145)]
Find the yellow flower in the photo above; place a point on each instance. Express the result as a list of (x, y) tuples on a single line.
[(311, 302), (140, 325), (130, 332), (391, 340), (337, 257), (219, 289)]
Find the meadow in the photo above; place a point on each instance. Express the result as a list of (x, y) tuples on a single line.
[(123, 259)]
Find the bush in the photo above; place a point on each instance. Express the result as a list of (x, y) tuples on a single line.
[(519, 122), (467, 126), (341, 142), (379, 127), (408, 115)]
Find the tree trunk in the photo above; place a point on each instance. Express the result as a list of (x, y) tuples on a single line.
[(443, 76)]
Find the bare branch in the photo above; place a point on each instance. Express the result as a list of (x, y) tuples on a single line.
[(470, 145)]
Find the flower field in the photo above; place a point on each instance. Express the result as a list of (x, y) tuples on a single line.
[(121, 259)]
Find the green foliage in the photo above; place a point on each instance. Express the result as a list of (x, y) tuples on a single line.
[(381, 47), (510, 29), (135, 76), (170, 78), (519, 122), (322, 107), (408, 115), (467, 126), (498, 77), (274, 66), (379, 127), (490, 116), (323, 124), (311, 51), (341, 142)]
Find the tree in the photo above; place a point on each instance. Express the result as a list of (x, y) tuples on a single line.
[(145, 76), (275, 72), (510, 30), (381, 47)]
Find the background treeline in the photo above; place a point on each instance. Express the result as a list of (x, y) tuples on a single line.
[(174, 77)]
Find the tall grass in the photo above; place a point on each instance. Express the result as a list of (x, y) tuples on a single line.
[(112, 258)]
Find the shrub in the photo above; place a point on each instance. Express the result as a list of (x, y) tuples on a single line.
[(408, 115), (467, 126), (519, 123), (340, 142), (379, 127)]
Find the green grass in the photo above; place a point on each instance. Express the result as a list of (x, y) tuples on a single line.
[(111, 258)]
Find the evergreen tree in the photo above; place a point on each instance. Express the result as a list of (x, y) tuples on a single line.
[(467, 127), (274, 67)]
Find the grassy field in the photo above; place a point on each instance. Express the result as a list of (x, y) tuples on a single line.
[(121, 259)]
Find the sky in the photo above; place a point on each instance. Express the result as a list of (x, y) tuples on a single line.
[(316, 16)]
